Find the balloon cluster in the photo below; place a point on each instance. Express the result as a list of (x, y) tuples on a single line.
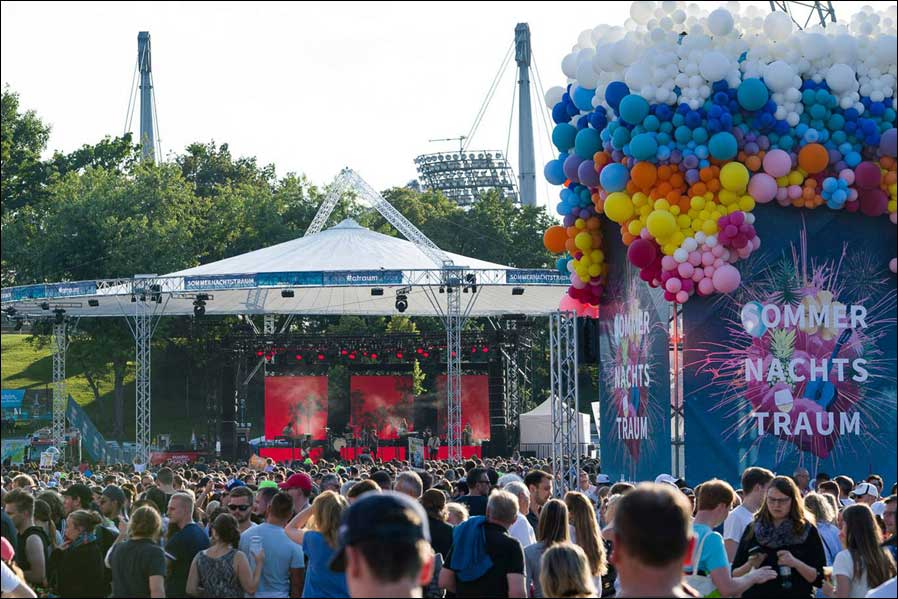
[(676, 125)]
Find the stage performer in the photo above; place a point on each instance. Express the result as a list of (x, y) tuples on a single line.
[(467, 434), (433, 445)]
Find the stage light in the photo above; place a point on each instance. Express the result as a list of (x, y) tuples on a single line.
[(93, 303), (471, 280), (420, 350), (58, 316), (298, 357), (442, 289), (260, 353), (377, 291), (517, 291), (199, 308), (320, 357), (352, 356), (133, 299), (373, 356), (426, 354), (401, 302), (399, 355), (287, 293), (203, 297), (45, 305), (486, 350), (453, 354), (343, 352), (473, 350)]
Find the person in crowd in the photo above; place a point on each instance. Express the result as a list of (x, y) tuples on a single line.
[(434, 503), (299, 488), (565, 572), (7, 527), (165, 481), (802, 479), (240, 506), (315, 529), (223, 570), (539, 483), (112, 505), (456, 513), (282, 572), (863, 564), (136, 560), (43, 517), (825, 519), (77, 497), (782, 536), (478, 489), (360, 488), (587, 488), (33, 545), (261, 502), (331, 482), (76, 567), (754, 488), (585, 525), (186, 539), (888, 518), (12, 582), (383, 479), (553, 528), (866, 494), (384, 547), (708, 562), (484, 560), (652, 540), (521, 529), (846, 486), (409, 482)]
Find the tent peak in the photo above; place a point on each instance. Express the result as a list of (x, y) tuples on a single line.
[(348, 223)]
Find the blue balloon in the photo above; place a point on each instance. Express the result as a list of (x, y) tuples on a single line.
[(554, 172), (561, 265), (752, 94), (723, 146), (563, 136), (615, 92), (583, 98), (634, 109), (587, 143), (614, 177), (643, 146)]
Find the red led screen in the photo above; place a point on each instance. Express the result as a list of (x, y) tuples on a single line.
[(295, 406)]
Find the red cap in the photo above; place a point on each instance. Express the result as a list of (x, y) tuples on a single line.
[(300, 480)]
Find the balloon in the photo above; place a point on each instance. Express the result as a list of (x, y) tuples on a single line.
[(571, 167), (874, 202), (752, 94), (614, 177), (563, 136), (554, 172), (714, 66), (587, 174), (634, 109), (644, 146), (813, 158), (661, 224), (587, 142), (726, 279), (569, 304), (642, 253), (583, 241), (888, 143), (554, 239), (734, 177), (777, 163), (762, 187), (615, 92), (618, 207), (720, 22), (644, 175), (751, 319), (867, 175), (723, 146)]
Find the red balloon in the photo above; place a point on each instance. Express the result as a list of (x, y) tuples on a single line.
[(642, 253), (867, 175), (874, 202)]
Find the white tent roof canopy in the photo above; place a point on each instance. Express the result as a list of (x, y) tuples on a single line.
[(344, 270)]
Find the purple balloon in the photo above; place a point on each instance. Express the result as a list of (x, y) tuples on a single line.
[(587, 174), (569, 220), (888, 143), (570, 167)]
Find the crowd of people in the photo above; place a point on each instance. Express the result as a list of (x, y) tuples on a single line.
[(478, 528)]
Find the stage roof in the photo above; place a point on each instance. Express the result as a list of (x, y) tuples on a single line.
[(344, 270)]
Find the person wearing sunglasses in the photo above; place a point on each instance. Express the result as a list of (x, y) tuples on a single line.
[(240, 506), (478, 490)]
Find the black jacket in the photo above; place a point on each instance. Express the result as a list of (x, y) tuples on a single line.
[(78, 572)]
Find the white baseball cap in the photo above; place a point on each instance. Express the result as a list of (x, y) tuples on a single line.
[(665, 479), (865, 489), (602, 479)]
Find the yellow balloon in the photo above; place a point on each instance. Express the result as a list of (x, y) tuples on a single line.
[(734, 177), (583, 241), (746, 203), (661, 224), (595, 270), (618, 206), (634, 227)]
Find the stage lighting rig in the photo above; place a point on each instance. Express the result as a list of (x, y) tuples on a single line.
[(58, 316), (402, 299)]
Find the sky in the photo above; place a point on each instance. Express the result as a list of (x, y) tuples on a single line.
[(310, 87)]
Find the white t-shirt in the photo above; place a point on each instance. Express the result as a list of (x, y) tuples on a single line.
[(878, 508), (886, 589), (846, 501), (736, 523), (843, 565), (522, 531), (8, 580)]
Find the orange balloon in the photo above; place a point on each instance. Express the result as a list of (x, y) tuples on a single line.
[(554, 239), (813, 158), (644, 175)]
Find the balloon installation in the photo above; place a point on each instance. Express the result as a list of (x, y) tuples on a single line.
[(676, 125)]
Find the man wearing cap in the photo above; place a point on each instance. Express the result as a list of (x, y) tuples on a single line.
[(384, 547), (77, 497), (865, 493), (299, 487)]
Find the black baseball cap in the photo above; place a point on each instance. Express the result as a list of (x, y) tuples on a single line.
[(81, 492), (379, 516)]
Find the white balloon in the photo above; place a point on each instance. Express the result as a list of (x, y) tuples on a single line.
[(680, 255), (778, 26), (779, 75), (720, 22), (569, 65), (714, 66), (840, 78), (586, 76), (690, 244), (642, 11), (553, 95)]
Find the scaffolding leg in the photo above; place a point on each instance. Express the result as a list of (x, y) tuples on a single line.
[(59, 390), (454, 323), (565, 413), (143, 335)]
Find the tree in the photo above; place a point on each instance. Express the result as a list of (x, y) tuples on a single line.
[(23, 136)]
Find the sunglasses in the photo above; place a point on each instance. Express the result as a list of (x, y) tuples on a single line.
[(242, 508)]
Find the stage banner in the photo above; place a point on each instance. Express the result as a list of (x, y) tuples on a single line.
[(295, 406), (12, 399), (384, 403), (91, 440), (475, 408), (14, 450), (416, 452), (797, 367), (634, 373)]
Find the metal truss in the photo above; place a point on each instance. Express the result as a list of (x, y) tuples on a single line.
[(517, 375), (810, 13), (60, 345), (565, 414)]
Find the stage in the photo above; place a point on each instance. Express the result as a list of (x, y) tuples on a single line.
[(287, 454)]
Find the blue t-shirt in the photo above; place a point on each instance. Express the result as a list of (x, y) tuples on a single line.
[(320, 580), (183, 546), (714, 553), (281, 554)]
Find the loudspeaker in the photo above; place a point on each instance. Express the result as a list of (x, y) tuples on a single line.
[(588, 340), (227, 434)]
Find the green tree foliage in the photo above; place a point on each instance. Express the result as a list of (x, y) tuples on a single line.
[(23, 136)]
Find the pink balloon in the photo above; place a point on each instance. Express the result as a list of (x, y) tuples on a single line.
[(569, 304), (695, 258), (698, 274), (688, 285), (894, 218), (847, 175), (707, 258), (782, 194), (673, 284), (717, 251), (755, 243), (718, 263), (777, 163), (686, 269), (762, 187), (682, 297), (893, 265), (709, 271), (668, 263), (726, 279), (642, 252), (794, 192), (867, 175), (705, 287)]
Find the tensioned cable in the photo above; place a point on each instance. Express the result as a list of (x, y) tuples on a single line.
[(129, 113), (489, 96)]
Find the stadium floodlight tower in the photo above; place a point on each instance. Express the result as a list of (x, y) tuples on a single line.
[(526, 167), (145, 66), (463, 176), (453, 279)]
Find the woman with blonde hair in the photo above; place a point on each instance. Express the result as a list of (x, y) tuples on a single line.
[(825, 518), (588, 538), (138, 563), (553, 529), (316, 528), (565, 572), (456, 513)]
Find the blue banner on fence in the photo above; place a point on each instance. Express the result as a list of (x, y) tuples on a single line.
[(536, 277), (11, 399), (213, 282), (6, 295), (797, 367), (29, 292), (72, 289), (364, 277), (297, 279), (91, 439), (634, 381)]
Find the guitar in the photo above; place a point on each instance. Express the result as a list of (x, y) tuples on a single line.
[(823, 393)]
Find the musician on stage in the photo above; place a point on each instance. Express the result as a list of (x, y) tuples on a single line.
[(373, 441), (433, 444), (467, 435), (349, 435)]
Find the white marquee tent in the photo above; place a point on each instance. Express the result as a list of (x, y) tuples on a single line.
[(536, 429)]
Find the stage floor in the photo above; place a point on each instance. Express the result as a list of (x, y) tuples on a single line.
[(287, 454)]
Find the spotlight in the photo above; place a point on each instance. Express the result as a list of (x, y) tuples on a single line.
[(58, 316), (287, 293), (399, 355), (377, 291), (352, 356), (343, 352), (133, 299), (471, 280), (260, 353), (426, 354), (199, 308), (517, 291), (298, 357), (486, 350), (320, 357), (442, 289), (45, 305), (401, 302), (203, 297), (373, 356)]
